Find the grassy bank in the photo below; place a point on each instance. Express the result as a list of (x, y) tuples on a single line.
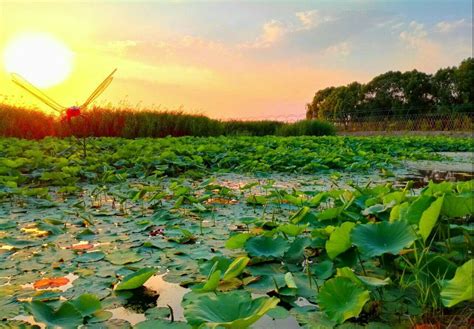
[(100, 122)]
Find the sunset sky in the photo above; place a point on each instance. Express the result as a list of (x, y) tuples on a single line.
[(236, 59)]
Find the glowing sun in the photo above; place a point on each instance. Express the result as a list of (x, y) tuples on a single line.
[(39, 58)]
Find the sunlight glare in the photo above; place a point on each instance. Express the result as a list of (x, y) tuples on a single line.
[(40, 58)]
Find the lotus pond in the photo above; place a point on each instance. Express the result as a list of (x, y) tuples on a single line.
[(235, 232)]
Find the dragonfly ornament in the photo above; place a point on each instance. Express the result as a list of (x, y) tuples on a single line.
[(66, 113)]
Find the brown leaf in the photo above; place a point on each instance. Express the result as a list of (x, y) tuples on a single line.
[(50, 283)]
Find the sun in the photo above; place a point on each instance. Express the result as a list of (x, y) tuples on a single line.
[(40, 58)]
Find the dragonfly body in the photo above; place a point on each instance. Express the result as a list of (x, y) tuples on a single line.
[(71, 112), (67, 113)]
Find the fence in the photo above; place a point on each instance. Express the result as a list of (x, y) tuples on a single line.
[(406, 122)]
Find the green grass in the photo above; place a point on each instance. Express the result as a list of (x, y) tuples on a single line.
[(16, 121)]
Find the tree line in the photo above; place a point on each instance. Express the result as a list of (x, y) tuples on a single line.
[(450, 89)]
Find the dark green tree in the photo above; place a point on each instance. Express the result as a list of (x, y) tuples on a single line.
[(465, 79)]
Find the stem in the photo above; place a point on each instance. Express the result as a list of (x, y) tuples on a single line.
[(84, 147), (360, 262), (317, 285), (171, 311)]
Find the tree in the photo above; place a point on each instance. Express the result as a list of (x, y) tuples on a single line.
[(384, 93), (465, 80), (446, 88), (318, 101), (395, 92), (418, 91)]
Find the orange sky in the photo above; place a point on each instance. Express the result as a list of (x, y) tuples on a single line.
[(236, 60)]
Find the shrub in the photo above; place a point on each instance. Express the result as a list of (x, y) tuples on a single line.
[(251, 128), (307, 128)]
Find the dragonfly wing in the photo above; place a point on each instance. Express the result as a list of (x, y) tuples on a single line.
[(37, 93), (99, 90)]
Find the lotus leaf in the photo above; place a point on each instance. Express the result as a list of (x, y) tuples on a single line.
[(233, 310), (342, 299), (380, 238), (66, 316), (120, 257), (136, 279), (460, 288), (235, 268), (430, 217), (87, 304), (262, 246), (340, 240), (88, 257)]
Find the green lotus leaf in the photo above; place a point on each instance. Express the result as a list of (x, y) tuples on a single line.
[(291, 229), (278, 312), (430, 217), (290, 281), (67, 316), (161, 324), (9, 308), (300, 215), (216, 263), (323, 270), (415, 210), (330, 213), (373, 210), (295, 252), (17, 243), (340, 240), (89, 257), (99, 316), (237, 241), (459, 288), (362, 280), (346, 272), (380, 238), (136, 279), (342, 299), (235, 268), (233, 310), (87, 304), (262, 246), (457, 205), (120, 257), (17, 324), (211, 284)]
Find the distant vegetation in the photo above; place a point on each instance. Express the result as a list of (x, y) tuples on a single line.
[(20, 122), (450, 89)]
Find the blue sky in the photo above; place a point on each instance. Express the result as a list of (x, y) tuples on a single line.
[(247, 58)]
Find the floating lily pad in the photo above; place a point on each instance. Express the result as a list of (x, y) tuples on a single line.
[(162, 324), (121, 257), (88, 257)]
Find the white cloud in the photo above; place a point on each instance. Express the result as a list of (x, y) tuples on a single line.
[(311, 19), (342, 49), (446, 27), (272, 32), (415, 36)]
